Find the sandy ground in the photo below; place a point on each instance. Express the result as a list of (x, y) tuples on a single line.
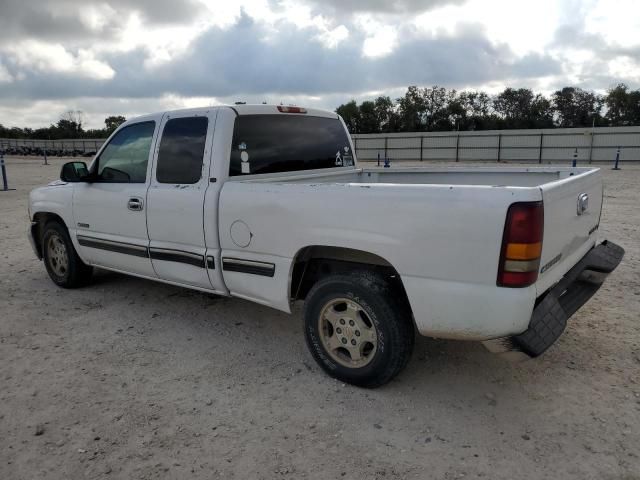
[(134, 379)]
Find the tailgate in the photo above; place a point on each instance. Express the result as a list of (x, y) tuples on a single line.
[(571, 217)]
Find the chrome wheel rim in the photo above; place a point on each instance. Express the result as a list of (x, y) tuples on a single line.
[(57, 255), (347, 333)]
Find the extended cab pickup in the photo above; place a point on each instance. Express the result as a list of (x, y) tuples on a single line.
[(267, 203)]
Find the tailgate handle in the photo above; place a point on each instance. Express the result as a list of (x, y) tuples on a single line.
[(583, 203)]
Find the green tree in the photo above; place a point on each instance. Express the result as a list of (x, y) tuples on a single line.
[(350, 113), (412, 110), (521, 108), (513, 106), (388, 118), (113, 122), (476, 113), (623, 106), (67, 129), (457, 113), (476, 104), (540, 112), (437, 102), (576, 107), (369, 121), (633, 116)]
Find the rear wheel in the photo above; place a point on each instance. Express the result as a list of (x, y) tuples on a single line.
[(63, 264), (358, 329)]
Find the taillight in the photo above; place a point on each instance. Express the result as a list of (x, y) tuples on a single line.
[(284, 109), (521, 245)]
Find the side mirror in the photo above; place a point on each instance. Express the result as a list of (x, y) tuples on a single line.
[(74, 172)]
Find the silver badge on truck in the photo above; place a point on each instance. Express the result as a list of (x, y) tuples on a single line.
[(583, 203)]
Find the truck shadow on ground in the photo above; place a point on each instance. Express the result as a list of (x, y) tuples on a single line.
[(205, 317)]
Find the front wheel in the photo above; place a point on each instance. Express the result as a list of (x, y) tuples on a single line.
[(63, 264), (358, 329)]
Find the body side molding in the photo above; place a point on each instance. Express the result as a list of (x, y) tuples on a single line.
[(113, 246), (252, 267)]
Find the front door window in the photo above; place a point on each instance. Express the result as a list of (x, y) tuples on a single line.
[(125, 158)]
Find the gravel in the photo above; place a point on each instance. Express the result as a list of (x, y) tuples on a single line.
[(175, 389)]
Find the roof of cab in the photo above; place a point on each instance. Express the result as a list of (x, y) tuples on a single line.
[(241, 109)]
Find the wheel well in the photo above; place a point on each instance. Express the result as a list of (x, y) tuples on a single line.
[(315, 262), (37, 229)]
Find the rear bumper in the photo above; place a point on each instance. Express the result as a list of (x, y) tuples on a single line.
[(553, 309)]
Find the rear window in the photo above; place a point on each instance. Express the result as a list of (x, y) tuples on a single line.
[(286, 143)]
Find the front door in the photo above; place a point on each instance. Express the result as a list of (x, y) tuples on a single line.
[(110, 212), (176, 197)]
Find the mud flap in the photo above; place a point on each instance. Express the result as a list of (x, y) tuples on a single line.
[(558, 304)]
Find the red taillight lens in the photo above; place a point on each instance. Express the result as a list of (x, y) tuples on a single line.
[(521, 245), (283, 109)]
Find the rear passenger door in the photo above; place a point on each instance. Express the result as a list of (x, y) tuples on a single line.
[(179, 182)]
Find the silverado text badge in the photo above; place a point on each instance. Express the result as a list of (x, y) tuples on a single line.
[(583, 203), (551, 263)]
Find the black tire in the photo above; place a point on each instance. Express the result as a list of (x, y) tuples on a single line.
[(387, 312), (70, 274)]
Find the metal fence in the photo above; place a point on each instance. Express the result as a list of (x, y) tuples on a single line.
[(535, 146), (63, 148)]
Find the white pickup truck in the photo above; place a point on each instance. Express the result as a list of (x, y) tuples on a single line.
[(267, 203)]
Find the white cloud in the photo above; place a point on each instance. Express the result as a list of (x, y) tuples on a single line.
[(46, 58), (333, 38), (97, 17), (617, 22), (525, 26), (381, 39), (622, 66)]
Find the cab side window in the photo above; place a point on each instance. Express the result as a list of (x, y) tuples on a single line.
[(181, 150), (125, 158)]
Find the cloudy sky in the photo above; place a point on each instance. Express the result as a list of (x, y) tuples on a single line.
[(137, 56)]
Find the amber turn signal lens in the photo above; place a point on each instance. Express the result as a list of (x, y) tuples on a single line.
[(523, 251)]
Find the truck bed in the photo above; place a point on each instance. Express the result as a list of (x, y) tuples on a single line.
[(440, 228), (480, 176)]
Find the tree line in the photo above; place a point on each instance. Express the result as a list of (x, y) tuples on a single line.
[(70, 125), (434, 109)]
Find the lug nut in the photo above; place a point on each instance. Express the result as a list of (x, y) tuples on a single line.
[(351, 322), (342, 321), (344, 340), (353, 341), (357, 333), (338, 330)]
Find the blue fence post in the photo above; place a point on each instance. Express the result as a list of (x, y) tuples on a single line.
[(575, 158), (615, 167), (4, 172), (5, 186)]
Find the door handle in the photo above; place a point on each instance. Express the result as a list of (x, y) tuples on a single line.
[(135, 204)]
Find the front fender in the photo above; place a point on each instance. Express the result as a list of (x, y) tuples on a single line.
[(56, 198)]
